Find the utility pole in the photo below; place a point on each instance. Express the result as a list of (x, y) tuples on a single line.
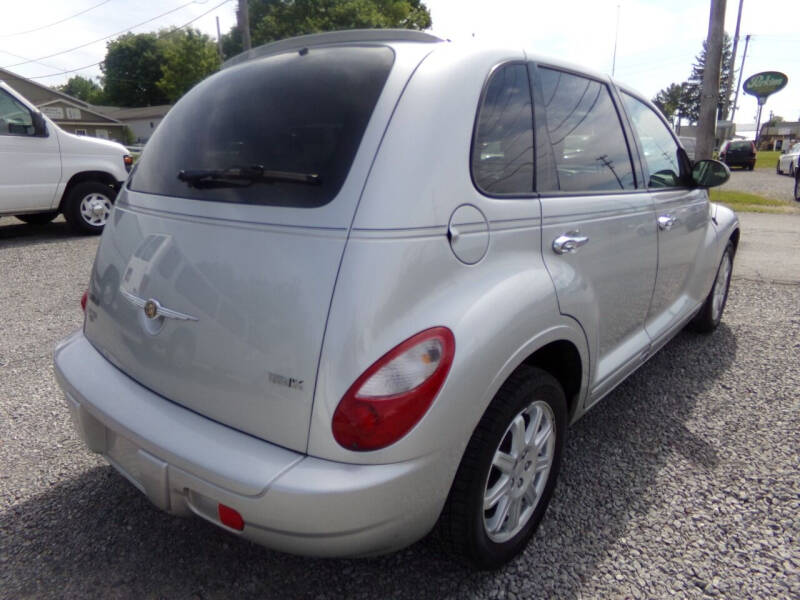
[(616, 36), (709, 97), (732, 66), (243, 15), (741, 72), (219, 44)]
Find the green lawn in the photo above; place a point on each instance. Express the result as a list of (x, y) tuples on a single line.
[(745, 202), (767, 159)]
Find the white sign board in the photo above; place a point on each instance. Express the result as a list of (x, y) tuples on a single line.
[(54, 112), (73, 113)]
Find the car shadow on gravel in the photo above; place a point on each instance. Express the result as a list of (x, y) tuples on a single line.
[(95, 536), (16, 233)]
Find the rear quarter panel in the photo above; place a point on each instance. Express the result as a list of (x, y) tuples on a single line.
[(399, 276)]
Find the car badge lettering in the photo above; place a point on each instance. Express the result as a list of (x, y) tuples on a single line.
[(289, 382)]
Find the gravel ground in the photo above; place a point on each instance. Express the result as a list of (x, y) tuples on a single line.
[(683, 483), (762, 182)]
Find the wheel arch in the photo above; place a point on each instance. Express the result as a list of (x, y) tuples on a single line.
[(562, 360), (563, 352), (84, 177)]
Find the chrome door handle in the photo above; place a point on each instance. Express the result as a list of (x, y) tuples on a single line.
[(665, 222), (569, 243)]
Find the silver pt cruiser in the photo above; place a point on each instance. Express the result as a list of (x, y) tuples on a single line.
[(361, 282)]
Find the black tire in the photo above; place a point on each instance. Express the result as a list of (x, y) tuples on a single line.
[(797, 187), (710, 315), (791, 170), (778, 168), (38, 218), (80, 198), (463, 523)]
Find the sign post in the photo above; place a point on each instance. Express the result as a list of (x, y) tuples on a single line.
[(762, 85)]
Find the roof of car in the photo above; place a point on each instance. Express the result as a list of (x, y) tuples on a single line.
[(334, 37)]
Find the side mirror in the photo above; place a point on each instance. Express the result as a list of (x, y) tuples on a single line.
[(39, 125), (710, 173)]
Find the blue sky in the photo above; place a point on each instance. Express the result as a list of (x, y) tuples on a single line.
[(657, 42)]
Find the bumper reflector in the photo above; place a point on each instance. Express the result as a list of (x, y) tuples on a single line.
[(230, 518)]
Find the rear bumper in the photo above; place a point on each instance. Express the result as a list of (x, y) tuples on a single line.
[(186, 463)]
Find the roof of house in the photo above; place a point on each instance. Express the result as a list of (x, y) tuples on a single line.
[(143, 112), (28, 85)]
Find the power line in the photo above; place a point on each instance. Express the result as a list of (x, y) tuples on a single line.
[(165, 35), (34, 61), (7, 35), (102, 38)]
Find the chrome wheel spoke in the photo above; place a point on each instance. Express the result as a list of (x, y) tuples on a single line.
[(542, 463), (499, 490), (504, 462), (518, 436), (514, 510), (543, 436), (533, 427), (531, 496)]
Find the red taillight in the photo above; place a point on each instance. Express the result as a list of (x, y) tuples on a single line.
[(230, 518), (395, 392), (753, 146), (84, 299)]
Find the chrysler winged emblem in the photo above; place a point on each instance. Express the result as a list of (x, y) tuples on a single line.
[(152, 308)]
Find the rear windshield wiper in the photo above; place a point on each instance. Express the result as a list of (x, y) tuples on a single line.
[(243, 176)]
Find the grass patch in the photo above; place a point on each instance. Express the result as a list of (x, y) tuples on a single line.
[(767, 159), (745, 202)]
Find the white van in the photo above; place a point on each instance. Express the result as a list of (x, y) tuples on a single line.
[(45, 171)]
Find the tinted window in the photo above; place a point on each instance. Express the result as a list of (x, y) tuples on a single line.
[(15, 118), (299, 112), (586, 134), (502, 151), (662, 163)]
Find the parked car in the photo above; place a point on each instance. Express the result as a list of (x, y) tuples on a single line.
[(788, 161), (688, 144), (45, 171), (797, 185), (739, 153), (327, 326)]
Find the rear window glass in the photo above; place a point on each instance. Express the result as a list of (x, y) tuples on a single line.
[(248, 133), (502, 151), (740, 146)]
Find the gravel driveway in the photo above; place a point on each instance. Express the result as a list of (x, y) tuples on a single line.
[(762, 182), (684, 482)]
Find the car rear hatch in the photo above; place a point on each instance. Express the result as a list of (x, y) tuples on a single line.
[(740, 152), (214, 276)]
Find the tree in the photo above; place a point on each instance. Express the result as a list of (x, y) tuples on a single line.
[(132, 69), (691, 100), (147, 69), (84, 89), (188, 57), (272, 20), (668, 101)]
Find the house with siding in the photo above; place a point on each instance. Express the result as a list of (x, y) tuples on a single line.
[(69, 113)]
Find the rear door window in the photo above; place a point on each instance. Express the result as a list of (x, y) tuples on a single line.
[(502, 148), (281, 130), (591, 152)]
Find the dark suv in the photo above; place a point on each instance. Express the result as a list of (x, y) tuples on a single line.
[(738, 153)]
